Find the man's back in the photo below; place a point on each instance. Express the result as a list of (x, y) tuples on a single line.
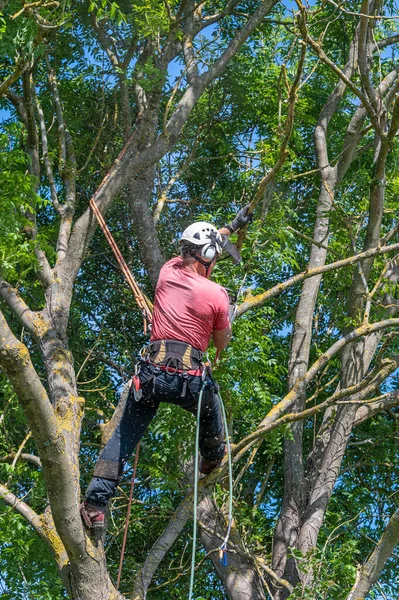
[(188, 307)]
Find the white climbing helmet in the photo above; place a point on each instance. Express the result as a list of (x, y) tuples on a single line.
[(205, 235), (211, 241)]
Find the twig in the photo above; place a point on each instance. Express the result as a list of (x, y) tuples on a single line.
[(309, 239)]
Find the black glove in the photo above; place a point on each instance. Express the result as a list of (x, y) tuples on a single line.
[(240, 220)]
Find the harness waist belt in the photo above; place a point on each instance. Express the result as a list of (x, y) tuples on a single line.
[(173, 354)]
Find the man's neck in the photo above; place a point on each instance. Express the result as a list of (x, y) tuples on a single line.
[(195, 267)]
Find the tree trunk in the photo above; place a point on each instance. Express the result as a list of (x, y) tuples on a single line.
[(139, 195)]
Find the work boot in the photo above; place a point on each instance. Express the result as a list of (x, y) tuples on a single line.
[(93, 517), (206, 466)]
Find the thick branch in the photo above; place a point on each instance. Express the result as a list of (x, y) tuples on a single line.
[(16, 363), (17, 305)]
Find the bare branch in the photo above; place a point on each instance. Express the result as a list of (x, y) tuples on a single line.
[(42, 524), (211, 19), (281, 582), (30, 458), (17, 305), (309, 239), (376, 405), (163, 197), (363, 56), (67, 167), (46, 160), (104, 40), (18, 103), (23, 509)]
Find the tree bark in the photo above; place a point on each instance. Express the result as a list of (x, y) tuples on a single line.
[(369, 573)]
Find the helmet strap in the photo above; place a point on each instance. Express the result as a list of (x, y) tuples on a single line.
[(203, 262)]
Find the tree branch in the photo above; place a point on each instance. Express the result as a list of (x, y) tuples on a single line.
[(57, 470), (260, 299), (30, 458), (17, 305), (276, 415), (46, 160), (368, 574), (322, 55), (24, 510), (67, 167), (43, 526)]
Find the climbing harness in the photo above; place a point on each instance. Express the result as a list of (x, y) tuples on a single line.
[(142, 301), (174, 356), (223, 547)]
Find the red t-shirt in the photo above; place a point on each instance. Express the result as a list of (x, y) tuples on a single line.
[(188, 307)]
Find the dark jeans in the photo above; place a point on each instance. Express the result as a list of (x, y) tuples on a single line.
[(157, 386)]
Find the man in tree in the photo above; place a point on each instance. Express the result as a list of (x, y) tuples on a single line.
[(188, 310)]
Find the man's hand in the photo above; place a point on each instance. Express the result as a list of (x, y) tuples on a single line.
[(240, 220)]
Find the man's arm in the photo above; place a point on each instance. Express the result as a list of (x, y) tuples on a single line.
[(222, 326), (221, 338), (224, 231)]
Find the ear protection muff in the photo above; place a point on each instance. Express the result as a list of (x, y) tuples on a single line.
[(212, 248), (208, 251)]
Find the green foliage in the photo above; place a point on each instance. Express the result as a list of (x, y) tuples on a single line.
[(231, 140), (17, 209)]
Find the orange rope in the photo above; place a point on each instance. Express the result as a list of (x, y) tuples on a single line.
[(129, 507), (139, 296)]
